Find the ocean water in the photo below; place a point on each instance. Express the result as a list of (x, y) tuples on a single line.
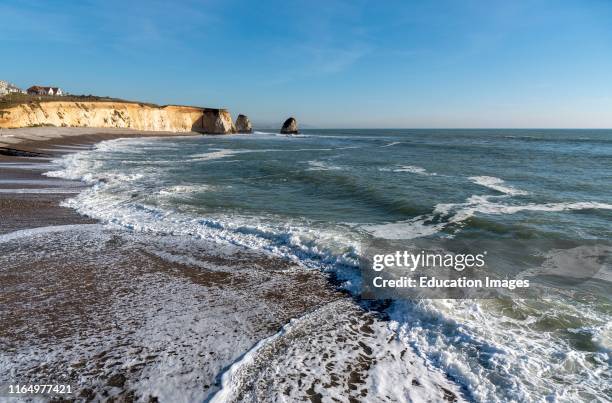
[(319, 197)]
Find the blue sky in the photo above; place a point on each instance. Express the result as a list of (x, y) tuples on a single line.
[(329, 63)]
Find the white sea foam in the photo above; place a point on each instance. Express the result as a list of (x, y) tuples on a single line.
[(393, 143), (494, 357), (184, 189), (459, 212), (293, 240), (62, 149), (31, 232), (322, 166), (78, 166), (414, 169), (47, 182), (230, 381), (219, 153), (456, 213), (183, 345), (497, 184), (417, 227), (214, 155), (36, 166), (40, 191), (291, 135), (391, 371), (409, 168), (78, 147)]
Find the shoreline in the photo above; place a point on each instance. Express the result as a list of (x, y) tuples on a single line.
[(31, 139), (134, 316), (118, 364), (40, 146)]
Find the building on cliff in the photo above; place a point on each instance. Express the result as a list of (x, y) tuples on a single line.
[(40, 90), (8, 88)]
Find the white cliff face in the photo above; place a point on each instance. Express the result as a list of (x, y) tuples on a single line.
[(118, 115), (217, 121), (243, 124)]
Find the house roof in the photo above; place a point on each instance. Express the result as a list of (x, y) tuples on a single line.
[(39, 87)]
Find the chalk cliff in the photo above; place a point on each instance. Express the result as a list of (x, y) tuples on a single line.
[(118, 114), (243, 124)]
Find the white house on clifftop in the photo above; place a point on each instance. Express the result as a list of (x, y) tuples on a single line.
[(39, 90), (8, 88)]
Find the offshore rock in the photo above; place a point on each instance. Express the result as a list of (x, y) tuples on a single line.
[(290, 126), (243, 124)]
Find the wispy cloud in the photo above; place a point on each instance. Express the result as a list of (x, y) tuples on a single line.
[(332, 60), (325, 43), (319, 61)]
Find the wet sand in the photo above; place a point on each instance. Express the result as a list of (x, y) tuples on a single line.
[(136, 317), (25, 155), (101, 310)]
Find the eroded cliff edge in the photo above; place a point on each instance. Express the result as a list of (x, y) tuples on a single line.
[(118, 115)]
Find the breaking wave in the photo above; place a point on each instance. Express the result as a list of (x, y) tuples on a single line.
[(490, 355), (497, 184)]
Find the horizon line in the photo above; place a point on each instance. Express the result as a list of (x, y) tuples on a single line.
[(447, 128)]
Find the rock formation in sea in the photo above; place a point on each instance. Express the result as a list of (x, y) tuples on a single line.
[(215, 121), (128, 115), (243, 124), (290, 126)]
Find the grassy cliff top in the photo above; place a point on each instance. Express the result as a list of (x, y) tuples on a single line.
[(15, 99)]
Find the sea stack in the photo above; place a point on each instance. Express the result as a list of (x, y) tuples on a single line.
[(243, 124), (290, 126)]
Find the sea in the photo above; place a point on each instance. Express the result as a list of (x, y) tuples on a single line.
[(320, 197)]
